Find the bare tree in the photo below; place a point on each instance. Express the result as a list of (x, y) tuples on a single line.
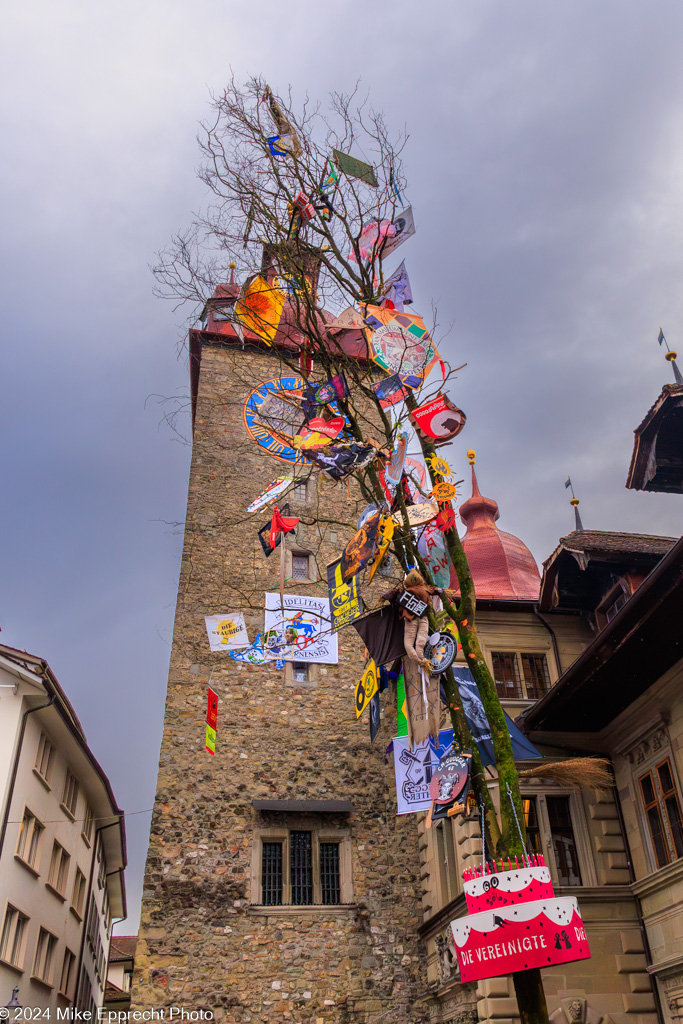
[(284, 211)]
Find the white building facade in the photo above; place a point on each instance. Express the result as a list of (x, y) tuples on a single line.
[(62, 846)]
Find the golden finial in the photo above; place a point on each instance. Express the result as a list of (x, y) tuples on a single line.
[(671, 355), (574, 502), (471, 455), (233, 266)]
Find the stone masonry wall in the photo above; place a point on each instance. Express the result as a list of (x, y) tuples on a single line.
[(202, 943)]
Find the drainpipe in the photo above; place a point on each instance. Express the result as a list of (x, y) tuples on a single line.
[(641, 923), (550, 629), (15, 767)]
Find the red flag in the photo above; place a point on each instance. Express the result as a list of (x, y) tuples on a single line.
[(281, 524)]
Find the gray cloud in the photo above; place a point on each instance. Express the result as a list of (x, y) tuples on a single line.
[(544, 162)]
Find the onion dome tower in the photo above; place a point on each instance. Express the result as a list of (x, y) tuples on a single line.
[(503, 568)]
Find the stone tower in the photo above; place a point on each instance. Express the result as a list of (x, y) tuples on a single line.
[(280, 885)]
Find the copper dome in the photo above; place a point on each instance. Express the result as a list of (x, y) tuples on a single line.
[(502, 566)]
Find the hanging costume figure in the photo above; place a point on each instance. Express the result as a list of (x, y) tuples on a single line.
[(423, 700)]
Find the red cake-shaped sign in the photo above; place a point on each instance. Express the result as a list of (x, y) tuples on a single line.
[(518, 923), (505, 888)]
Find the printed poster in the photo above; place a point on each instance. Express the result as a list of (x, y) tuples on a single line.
[(345, 598), (414, 770), (301, 631), (227, 631)]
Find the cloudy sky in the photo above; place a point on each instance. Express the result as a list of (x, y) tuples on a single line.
[(545, 163)]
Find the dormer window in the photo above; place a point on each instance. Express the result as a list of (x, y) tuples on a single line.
[(223, 312), (611, 604)]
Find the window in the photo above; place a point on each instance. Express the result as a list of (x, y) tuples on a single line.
[(536, 676), (615, 606), (612, 603), (106, 911), (329, 873), (223, 312), (86, 831), (532, 684), (70, 794), (300, 491), (562, 838), (300, 567), (299, 671), (533, 832), (13, 935), (29, 839), (44, 758), (301, 867), (85, 999), (271, 874), (506, 674), (558, 844), (93, 923), (66, 977), (101, 863), (447, 868), (59, 868), (45, 952), (98, 959), (78, 893), (663, 813)]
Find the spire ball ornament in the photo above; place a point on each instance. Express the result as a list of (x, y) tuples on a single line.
[(471, 455)]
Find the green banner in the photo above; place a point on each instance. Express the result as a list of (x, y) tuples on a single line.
[(354, 168), (401, 720)]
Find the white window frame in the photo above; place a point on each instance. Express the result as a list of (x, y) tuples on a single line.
[(70, 794), (45, 756), (68, 964), (78, 890), (58, 872), (88, 822), (31, 832), (44, 957), (12, 917)]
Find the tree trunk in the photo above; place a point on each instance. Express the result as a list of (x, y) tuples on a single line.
[(530, 997)]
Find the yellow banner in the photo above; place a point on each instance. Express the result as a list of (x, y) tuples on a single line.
[(210, 740), (384, 534), (346, 602), (366, 688)]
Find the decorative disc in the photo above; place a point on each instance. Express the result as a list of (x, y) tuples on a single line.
[(442, 654)]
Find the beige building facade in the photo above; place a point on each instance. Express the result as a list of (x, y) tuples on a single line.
[(62, 846)]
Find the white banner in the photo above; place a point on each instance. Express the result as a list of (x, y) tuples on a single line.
[(302, 631), (226, 632), (414, 769)]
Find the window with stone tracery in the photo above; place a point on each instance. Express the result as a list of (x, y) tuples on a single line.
[(663, 813)]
